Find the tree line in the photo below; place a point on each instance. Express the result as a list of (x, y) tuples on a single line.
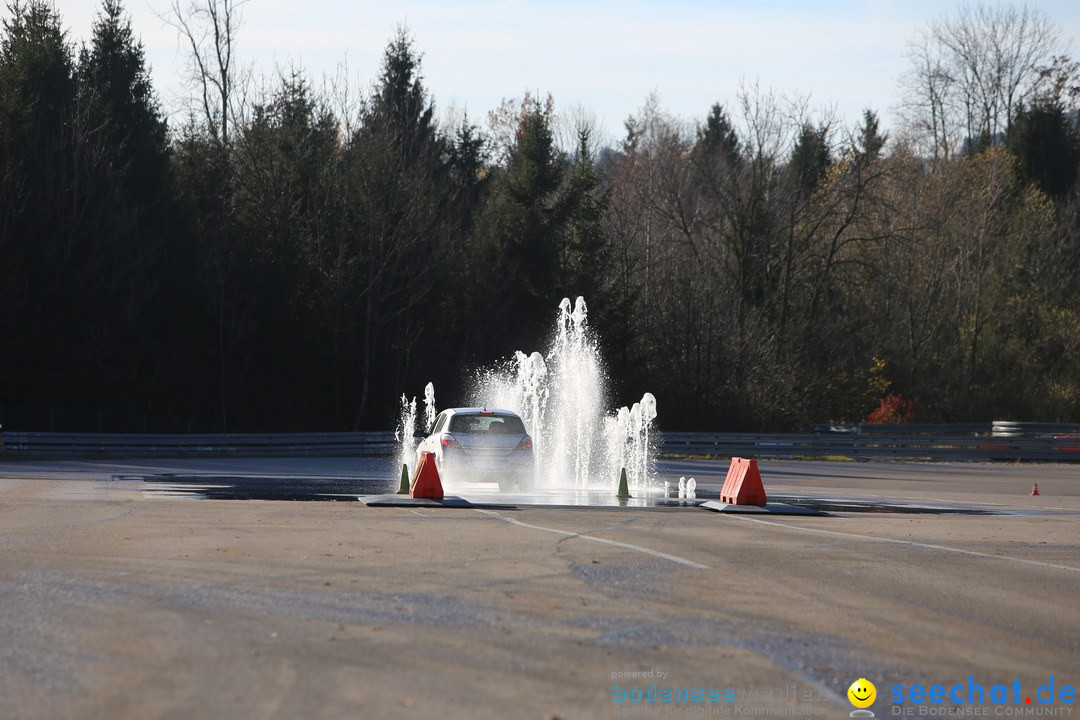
[(293, 257)]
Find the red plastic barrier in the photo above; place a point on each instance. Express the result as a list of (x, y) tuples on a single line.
[(427, 483), (743, 485)]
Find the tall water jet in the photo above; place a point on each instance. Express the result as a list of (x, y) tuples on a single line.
[(630, 443), (429, 407), (523, 388), (405, 430), (577, 385), (562, 399)]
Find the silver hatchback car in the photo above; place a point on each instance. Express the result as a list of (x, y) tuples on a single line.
[(483, 444)]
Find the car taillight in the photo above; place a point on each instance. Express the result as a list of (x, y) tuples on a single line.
[(448, 441), (525, 444)]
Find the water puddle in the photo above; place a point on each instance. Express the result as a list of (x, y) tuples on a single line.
[(240, 487), (347, 489)]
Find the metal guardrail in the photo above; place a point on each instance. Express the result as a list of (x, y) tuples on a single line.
[(998, 428), (18, 445), (1064, 447), (959, 443)]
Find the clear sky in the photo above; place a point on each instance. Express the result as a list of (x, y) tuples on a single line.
[(605, 56)]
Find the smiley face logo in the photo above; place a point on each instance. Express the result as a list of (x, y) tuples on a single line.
[(862, 693)]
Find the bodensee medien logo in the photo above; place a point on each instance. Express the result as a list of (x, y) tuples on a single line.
[(670, 694)]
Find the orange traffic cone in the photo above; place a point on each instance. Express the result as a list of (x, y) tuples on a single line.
[(1035, 489)]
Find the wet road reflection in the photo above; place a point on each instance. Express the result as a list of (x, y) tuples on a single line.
[(347, 489)]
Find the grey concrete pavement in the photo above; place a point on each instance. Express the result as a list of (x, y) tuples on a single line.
[(117, 603)]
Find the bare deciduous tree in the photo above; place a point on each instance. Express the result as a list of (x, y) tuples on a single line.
[(209, 29), (928, 93), (971, 72)]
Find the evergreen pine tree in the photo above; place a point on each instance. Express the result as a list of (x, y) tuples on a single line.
[(718, 136), (116, 81), (1046, 144), (870, 140), (810, 159)]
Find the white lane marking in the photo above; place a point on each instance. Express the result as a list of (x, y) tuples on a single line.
[(627, 546), (905, 542)]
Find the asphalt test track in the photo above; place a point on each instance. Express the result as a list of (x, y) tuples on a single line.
[(125, 598)]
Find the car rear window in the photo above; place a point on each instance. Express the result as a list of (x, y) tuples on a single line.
[(494, 424)]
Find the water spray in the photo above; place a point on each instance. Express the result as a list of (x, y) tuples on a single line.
[(561, 400), (406, 430)]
